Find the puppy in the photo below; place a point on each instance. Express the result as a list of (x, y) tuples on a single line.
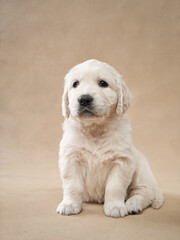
[(98, 162)]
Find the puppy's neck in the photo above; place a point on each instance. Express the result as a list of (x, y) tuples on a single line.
[(95, 128)]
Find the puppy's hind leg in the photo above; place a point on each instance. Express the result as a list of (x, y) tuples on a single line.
[(143, 191)]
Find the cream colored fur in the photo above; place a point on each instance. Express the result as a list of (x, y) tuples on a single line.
[(98, 162)]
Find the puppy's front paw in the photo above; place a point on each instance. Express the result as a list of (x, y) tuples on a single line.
[(65, 208), (134, 205), (115, 210)]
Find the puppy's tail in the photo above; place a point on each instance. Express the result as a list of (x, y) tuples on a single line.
[(158, 201)]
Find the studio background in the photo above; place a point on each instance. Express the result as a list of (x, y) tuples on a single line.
[(40, 41)]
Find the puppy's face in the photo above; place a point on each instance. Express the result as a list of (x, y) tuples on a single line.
[(92, 90)]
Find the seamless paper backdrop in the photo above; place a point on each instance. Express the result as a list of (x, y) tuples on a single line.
[(40, 41)]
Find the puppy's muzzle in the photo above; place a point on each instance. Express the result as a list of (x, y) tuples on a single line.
[(85, 100), (86, 108)]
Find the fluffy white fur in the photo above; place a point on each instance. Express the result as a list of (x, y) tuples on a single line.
[(98, 162)]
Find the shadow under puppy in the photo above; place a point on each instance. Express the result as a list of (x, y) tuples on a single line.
[(98, 162)]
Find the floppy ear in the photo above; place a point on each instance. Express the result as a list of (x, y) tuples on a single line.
[(65, 103), (124, 97)]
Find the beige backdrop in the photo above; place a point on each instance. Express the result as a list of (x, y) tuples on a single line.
[(40, 41)]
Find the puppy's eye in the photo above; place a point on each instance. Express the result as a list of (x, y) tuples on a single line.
[(75, 84), (103, 84)]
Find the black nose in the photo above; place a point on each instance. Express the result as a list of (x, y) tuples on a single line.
[(85, 100)]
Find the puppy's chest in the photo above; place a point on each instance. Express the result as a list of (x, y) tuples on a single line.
[(95, 166), (97, 154)]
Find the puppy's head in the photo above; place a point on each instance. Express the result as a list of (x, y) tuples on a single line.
[(94, 89)]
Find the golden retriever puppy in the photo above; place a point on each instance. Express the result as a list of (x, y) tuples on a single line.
[(98, 162)]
